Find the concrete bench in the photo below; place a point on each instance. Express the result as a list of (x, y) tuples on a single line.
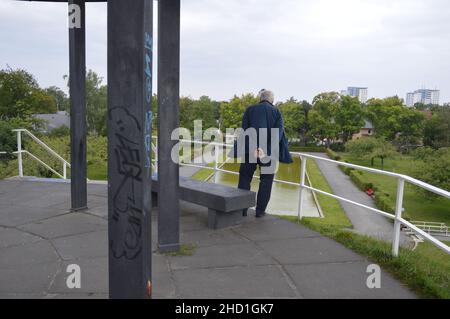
[(225, 203)]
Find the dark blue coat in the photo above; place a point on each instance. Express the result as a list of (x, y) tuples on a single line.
[(265, 115)]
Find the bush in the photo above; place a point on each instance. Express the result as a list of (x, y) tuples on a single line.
[(337, 147), (358, 179), (312, 149), (423, 153), (7, 141), (59, 132), (334, 156), (382, 202), (435, 169)]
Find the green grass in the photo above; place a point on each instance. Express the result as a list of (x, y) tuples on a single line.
[(185, 250), (333, 212), (425, 270), (98, 172), (203, 173), (418, 206)]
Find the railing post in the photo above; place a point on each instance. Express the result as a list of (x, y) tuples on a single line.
[(65, 170), (19, 152), (216, 161), (302, 185), (398, 215)]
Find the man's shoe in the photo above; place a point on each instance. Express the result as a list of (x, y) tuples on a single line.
[(244, 213), (260, 214)]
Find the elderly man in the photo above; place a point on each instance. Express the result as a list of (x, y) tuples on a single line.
[(266, 120)]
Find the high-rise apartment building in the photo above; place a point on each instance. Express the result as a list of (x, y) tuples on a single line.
[(424, 96), (359, 92)]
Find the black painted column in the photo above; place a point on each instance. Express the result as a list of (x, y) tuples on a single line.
[(168, 120), (77, 83), (129, 147)]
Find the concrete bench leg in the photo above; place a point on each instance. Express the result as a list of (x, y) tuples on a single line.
[(217, 219), (154, 199)]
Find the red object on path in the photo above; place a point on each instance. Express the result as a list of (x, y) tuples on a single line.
[(370, 192)]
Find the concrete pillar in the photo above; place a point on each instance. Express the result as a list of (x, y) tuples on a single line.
[(129, 147), (168, 120), (77, 83)]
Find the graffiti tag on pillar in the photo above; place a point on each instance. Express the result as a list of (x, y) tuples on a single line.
[(74, 16), (148, 97), (127, 209), (148, 66), (148, 140)]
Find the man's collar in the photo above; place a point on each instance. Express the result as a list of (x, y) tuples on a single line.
[(266, 102)]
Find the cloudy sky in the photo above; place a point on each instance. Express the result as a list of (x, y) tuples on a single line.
[(294, 47)]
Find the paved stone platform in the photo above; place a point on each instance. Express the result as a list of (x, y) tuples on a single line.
[(267, 258)]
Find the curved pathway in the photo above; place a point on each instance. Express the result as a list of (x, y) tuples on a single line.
[(364, 221)]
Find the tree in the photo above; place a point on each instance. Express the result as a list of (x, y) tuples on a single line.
[(60, 97), (434, 169), (437, 129), (392, 119), (349, 117), (410, 126), (371, 148), (293, 117), (305, 129), (186, 112), (21, 96), (322, 117), (206, 110), (231, 112)]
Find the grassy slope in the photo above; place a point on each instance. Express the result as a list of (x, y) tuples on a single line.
[(418, 206)]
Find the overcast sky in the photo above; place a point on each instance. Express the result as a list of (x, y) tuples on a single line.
[(294, 47)]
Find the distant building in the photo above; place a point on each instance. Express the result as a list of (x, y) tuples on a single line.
[(424, 96), (54, 120), (366, 130), (359, 92)]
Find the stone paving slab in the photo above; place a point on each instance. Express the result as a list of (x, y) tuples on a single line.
[(66, 225), (234, 282), (344, 280), (85, 245), (13, 237), (263, 258), (308, 250), (243, 254), (28, 254)]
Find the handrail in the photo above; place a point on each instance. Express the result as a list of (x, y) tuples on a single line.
[(47, 148), (42, 163), (401, 178), (21, 151), (407, 178)]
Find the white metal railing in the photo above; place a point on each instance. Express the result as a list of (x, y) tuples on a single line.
[(401, 179), (398, 220), (435, 228), (218, 166), (20, 151)]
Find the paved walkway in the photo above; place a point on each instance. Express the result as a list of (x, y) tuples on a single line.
[(268, 258), (364, 221)]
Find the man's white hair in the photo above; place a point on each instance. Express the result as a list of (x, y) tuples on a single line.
[(266, 95)]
